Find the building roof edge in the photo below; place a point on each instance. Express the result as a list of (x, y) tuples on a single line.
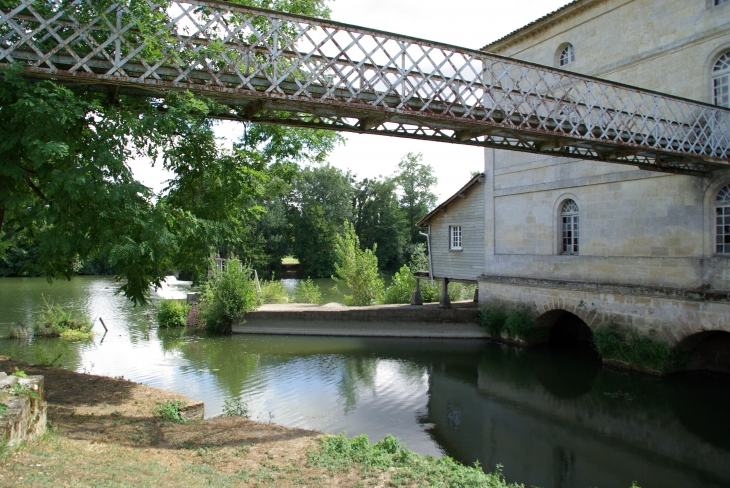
[(478, 178), (553, 17)]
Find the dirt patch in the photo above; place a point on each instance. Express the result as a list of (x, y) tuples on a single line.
[(105, 432)]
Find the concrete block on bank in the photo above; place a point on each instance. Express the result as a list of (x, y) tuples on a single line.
[(26, 415)]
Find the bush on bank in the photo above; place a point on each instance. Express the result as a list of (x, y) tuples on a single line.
[(173, 313), (227, 297), (631, 347), (55, 321), (307, 291), (516, 320), (357, 270)]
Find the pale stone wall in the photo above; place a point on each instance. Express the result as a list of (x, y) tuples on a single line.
[(663, 45), (467, 212), (636, 227)]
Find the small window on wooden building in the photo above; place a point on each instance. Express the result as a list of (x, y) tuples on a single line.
[(722, 222), (455, 237), (569, 227)]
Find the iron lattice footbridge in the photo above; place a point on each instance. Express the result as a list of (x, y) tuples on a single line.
[(279, 68)]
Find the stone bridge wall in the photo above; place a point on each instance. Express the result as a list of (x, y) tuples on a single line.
[(671, 314)]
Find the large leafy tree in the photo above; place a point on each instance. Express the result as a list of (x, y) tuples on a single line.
[(379, 222), (66, 185), (416, 182), (321, 201)]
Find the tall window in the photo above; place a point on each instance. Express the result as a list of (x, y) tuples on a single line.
[(720, 2), (722, 215), (569, 227), (567, 55), (455, 237), (721, 81)]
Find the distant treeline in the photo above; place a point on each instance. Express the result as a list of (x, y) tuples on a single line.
[(303, 219), (306, 216)]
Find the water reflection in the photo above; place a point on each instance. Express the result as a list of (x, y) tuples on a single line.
[(551, 417)]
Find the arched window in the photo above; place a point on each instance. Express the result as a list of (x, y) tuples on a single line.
[(569, 227), (721, 81), (567, 55), (722, 215)]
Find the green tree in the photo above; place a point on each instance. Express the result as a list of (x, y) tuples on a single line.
[(357, 269), (416, 181), (379, 222), (321, 200), (66, 186)]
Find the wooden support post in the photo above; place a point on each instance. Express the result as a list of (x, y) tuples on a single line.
[(445, 301)]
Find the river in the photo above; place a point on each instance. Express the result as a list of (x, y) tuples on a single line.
[(550, 418)]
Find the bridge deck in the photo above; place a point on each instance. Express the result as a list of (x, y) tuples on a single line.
[(286, 69)]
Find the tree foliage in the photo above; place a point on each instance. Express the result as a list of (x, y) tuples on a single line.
[(416, 181), (357, 269)]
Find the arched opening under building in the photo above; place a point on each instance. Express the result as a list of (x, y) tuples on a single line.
[(572, 362), (706, 351)]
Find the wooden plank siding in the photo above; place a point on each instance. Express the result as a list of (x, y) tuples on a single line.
[(467, 212)]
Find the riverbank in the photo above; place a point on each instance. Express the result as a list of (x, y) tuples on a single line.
[(106, 431), (334, 319)]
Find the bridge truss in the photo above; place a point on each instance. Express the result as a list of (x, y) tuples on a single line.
[(279, 68)]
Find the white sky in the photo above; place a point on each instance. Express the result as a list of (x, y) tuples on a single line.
[(467, 23)]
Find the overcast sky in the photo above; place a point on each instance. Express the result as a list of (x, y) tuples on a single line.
[(467, 23)]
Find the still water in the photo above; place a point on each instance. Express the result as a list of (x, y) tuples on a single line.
[(551, 418)]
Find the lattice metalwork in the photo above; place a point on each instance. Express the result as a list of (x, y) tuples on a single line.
[(287, 69)]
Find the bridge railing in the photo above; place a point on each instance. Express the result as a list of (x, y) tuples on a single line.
[(284, 68)]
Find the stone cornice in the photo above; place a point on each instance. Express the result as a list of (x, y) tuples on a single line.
[(540, 25)]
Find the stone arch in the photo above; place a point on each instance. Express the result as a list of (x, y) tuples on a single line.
[(568, 374), (706, 351)]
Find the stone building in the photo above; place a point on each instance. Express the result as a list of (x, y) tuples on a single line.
[(609, 242)]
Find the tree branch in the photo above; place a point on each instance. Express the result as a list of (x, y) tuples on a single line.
[(35, 189)]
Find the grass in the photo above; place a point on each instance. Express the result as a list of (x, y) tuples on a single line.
[(289, 261), (403, 467), (516, 320), (273, 291)]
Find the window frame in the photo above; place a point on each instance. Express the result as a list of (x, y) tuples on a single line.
[(565, 51), (721, 229), (720, 76), (452, 234), (571, 233)]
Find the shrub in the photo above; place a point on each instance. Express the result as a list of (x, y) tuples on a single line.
[(273, 292), (357, 269), (519, 322), (54, 321), (170, 410), (195, 317), (235, 407), (430, 292), (173, 313), (307, 291), (461, 291), (493, 317), (631, 347), (227, 297), (400, 289)]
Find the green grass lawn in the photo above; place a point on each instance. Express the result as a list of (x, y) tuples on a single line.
[(289, 261)]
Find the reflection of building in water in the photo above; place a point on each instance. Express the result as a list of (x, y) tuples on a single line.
[(604, 430)]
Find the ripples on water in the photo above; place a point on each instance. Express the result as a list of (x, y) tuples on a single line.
[(553, 419)]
